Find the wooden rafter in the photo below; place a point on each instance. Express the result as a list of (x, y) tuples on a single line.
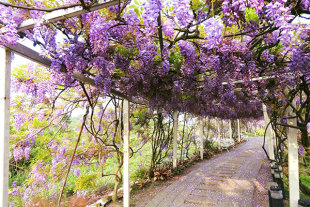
[(53, 17), (35, 57), (64, 14)]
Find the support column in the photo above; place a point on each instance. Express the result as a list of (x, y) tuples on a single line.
[(293, 172), (239, 135), (5, 81), (126, 136), (175, 138), (201, 141), (218, 130), (268, 134), (230, 130)]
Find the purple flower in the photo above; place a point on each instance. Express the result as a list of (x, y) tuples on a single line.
[(81, 193), (77, 172), (214, 30), (14, 184), (27, 153), (18, 153), (301, 150), (19, 120), (14, 192)]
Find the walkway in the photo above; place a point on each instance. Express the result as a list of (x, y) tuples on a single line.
[(225, 181)]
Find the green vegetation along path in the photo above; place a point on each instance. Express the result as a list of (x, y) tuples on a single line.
[(227, 180)]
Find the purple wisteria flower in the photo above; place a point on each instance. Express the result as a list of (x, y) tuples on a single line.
[(14, 184), (19, 120), (18, 153), (77, 172), (301, 150), (13, 192), (81, 193), (214, 30), (27, 152)]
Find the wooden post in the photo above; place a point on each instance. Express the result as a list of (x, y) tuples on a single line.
[(126, 136), (201, 141), (239, 135), (175, 139), (5, 81), (293, 172), (230, 130), (268, 134)]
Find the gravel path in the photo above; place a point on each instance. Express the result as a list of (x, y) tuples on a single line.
[(226, 180)]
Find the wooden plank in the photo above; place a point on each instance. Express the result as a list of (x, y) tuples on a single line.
[(64, 14), (126, 137), (268, 134), (175, 139), (5, 81), (30, 54), (293, 172), (35, 57)]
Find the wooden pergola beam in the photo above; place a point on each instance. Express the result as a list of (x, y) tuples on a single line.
[(32, 55), (250, 80), (64, 14)]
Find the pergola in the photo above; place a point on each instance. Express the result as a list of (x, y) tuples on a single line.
[(20, 49)]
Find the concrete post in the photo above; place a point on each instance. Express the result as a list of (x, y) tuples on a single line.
[(239, 134), (5, 81), (175, 138), (126, 137), (268, 134), (201, 140), (293, 171), (230, 130)]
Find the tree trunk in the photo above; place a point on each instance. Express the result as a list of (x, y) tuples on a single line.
[(304, 137), (116, 184)]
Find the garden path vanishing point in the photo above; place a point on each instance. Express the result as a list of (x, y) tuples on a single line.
[(225, 181)]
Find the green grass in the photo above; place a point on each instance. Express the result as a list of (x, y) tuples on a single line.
[(302, 195), (305, 179)]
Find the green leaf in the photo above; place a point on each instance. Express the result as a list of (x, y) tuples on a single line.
[(250, 14), (197, 4)]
